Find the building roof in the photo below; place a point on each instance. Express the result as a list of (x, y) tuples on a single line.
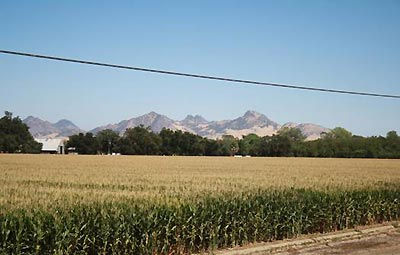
[(50, 144)]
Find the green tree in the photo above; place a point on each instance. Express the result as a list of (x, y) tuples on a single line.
[(108, 141), (140, 141), (250, 145), (169, 145), (293, 141), (15, 136), (84, 143), (293, 134), (181, 143), (212, 148), (192, 144), (340, 133), (392, 145), (229, 145)]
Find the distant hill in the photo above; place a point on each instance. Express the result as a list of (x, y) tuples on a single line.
[(309, 130), (42, 129), (154, 120), (250, 122)]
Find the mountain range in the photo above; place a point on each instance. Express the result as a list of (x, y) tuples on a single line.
[(250, 122)]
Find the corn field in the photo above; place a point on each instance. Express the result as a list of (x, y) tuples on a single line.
[(53, 204)]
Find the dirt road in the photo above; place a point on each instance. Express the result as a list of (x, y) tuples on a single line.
[(383, 244), (381, 239)]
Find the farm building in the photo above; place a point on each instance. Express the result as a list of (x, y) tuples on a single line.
[(51, 145)]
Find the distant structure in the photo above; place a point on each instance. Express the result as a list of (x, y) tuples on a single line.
[(72, 151), (51, 145)]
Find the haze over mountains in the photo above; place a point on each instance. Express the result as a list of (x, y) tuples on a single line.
[(250, 122)]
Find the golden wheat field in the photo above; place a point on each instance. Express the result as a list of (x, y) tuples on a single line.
[(46, 180)]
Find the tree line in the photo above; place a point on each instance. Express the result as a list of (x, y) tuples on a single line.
[(288, 142)]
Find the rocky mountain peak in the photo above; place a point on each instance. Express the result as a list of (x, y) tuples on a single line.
[(194, 120), (150, 116), (253, 118), (252, 114), (152, 113), (152, 119), (31, 118), (35, 121), (42, 128), (64, 122), (290, 125)]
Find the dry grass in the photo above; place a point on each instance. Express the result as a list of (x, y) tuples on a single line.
[(49, 180)]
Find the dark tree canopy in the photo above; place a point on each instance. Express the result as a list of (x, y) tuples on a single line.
[(288, 142), (84, 143), (140, 141), (108, 141), (15, 136), (181, 143)]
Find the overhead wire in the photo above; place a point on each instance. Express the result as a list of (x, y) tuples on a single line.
[(199, 76)]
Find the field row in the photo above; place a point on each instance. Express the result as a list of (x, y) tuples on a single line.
[(209, 223), (45, 180)]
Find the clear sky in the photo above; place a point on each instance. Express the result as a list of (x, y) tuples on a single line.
[(350, 45)]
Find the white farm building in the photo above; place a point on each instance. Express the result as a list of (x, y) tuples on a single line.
[(51, 145)]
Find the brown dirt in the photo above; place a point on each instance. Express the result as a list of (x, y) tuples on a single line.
[(383, 239)]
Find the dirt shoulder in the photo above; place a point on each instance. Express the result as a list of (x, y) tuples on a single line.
[(377, 239)]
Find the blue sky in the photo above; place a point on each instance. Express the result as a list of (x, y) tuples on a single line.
[(350, 45)]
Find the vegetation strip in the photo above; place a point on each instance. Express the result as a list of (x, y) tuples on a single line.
[(140, 140), (205, 224)]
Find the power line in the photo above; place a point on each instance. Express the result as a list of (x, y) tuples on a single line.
[(198, 75)]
